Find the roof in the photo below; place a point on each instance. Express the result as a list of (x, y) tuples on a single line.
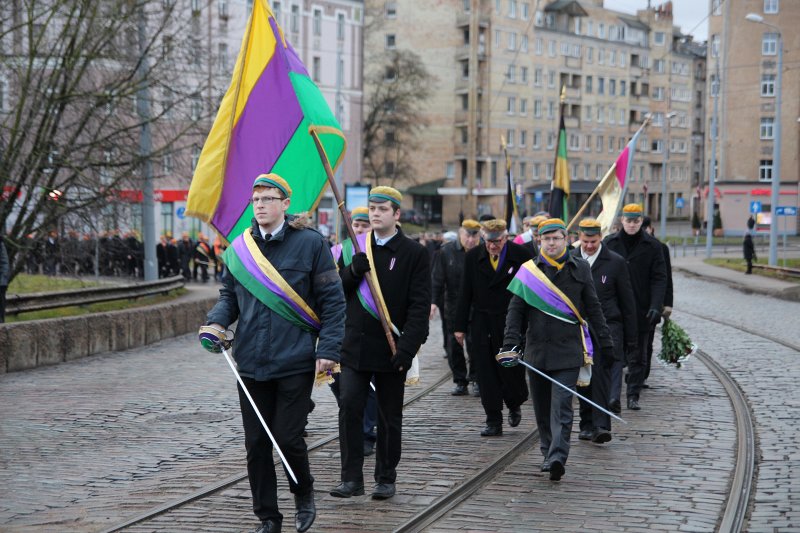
[(635, 23), (570, 7), (427, 189)]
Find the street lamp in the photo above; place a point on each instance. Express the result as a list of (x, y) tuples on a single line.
[(776, 147), (663, 209)]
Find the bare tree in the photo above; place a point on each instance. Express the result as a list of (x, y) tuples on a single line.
[(70, 73), (397, 87)]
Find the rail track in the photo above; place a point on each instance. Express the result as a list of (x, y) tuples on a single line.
[(467, 489)]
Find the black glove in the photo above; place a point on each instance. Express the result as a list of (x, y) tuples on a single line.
[(402, 361), (654, 316), (360, 265)]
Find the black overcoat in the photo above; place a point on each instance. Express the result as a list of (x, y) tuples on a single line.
[(552, 344), (648, 273), (403, 271), (448, 269)]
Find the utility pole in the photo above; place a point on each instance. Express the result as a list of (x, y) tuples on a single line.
[(145, 149), (713, 174)]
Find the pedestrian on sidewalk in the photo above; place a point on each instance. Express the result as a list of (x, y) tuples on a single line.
[(749, 251), (279, 347)]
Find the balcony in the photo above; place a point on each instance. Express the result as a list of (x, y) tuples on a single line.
[(573, 62), (573, 93), (572, 122), (464, 19), (463, 52)]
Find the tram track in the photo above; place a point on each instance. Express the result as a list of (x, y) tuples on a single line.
[(215, 488)]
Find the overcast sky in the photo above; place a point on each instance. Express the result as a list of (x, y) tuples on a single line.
[(686, 13)]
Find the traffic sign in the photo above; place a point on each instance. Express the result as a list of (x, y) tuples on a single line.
[(679, 202), (538, 196), (755, 206), (786, 211), (181, 212)]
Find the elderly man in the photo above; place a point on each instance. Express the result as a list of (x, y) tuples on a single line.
[(481, 311), (278, 347), (448, 269), (613, 287), (552, 295), (530, 237), (649, 280)]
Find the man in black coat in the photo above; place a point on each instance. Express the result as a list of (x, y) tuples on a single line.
[(556, 347), (448, 269), (648, 272), (612, 284), (401, 268), (482, 307), (749, 251), (666, 311)]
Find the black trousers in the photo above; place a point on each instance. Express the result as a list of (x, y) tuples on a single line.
[(3, 289), (600, 389), (353, 391), (498, 384), (455, 358), (553, 408), (648, 362), (637, 362), (284, 404)]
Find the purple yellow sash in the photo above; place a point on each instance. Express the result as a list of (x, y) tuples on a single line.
[(254, 271), (364, 294), (533, 286)]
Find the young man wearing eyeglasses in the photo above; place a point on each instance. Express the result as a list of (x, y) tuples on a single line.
[(481, 311), (277, 348)]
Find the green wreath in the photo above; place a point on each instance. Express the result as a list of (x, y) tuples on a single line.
[(676, 346)]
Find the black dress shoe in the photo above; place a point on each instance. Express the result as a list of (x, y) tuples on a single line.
[(492, 431), (383, 491), (514, 416), (460, 390), (476, 390), (545, 466), (345, 489), (645, 386), (615, 407), (633, 404), (556, 470), (601, 436), (306, 511), (585, 434), (269, 526), (369, 447)]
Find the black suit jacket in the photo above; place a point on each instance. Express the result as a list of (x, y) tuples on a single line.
[(612, 283), (403, 271)]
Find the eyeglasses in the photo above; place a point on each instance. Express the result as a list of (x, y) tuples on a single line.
[(552, 239), (264, 199), (501, 240)]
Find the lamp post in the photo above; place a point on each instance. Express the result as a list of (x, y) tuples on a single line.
[(776, 146), (663, 209)]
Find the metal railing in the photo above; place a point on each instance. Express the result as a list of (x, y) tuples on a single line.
[(24, 303)]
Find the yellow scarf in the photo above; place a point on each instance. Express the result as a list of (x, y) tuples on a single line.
[(557, 262)]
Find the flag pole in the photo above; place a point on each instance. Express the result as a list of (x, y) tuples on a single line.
[(585, 205), (511, 214), (348, 223)]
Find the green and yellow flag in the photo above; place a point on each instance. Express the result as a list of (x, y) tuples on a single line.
[(559, 191)]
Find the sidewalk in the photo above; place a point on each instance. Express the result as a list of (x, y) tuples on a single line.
[(754, 283)]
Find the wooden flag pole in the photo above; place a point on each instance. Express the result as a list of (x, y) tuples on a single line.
[(585, 205), (348, 223)]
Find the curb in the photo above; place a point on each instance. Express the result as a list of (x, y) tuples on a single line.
[(791, 294)]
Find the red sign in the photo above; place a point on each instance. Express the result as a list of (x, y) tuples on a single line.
[(159, 195)]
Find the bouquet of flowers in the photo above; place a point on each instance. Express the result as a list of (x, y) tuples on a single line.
[(676, 346)]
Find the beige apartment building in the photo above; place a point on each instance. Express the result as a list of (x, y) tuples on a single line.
[(745, 54), (501, 66)]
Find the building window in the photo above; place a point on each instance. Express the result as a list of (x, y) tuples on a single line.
[(510, 135), (196, 107), (512, 40), (340, 26), (622, 87), (716, 7), (523, 74), (523, 106), (551, 78), (768, 85), (765, 170), (767, 128), (391, 10), (222, 7), (537, 108), (391, 41), (512, 9), (715, 46), (658, 66), (316, 67), (539, 46), (612, 87), (512, 105), (601, 86), (551, 48), (659, 38), (538, 76), (523, 138), (551, 109), (599, 143), (317, 22), (588, 85), (769, 44), (195, 156), (770, 7), (550, 142), (295, 20), (511, 74), (589, 54), (714, 86), (537, 139), (166, 163), (526, 11), (524, 45), (222, 49)]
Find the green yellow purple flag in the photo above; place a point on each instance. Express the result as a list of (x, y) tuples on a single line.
[(559, 191)]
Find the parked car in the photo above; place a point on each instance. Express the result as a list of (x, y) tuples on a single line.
[(411, 216)]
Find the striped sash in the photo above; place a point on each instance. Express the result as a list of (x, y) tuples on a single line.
[(533, 286), (254, 271)]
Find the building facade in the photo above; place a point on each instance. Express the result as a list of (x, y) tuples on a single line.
[(502, 66), (742, 82)]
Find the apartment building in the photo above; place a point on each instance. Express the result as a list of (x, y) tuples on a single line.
[(502, 66), (742, 82)]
